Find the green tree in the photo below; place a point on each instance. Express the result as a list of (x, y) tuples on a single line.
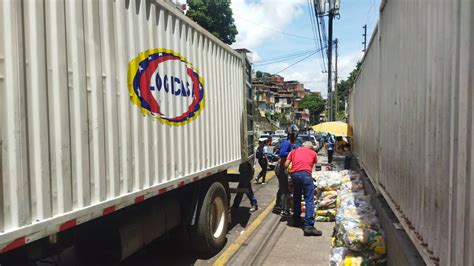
[(315, 104), (344, 86), (215, 16), (260, 74)]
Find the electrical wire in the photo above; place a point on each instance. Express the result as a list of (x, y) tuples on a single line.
[(320, 41), (275, 30), (312, 16), (296, 63), (285, 59), (284, 56)]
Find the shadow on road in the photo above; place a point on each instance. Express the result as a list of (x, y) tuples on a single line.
[(239, 216)]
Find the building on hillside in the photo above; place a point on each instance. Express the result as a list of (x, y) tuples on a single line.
[(280, 99), (302, 118)]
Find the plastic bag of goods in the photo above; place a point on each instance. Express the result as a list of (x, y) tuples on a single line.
[(326, 203), (357, 199), (323, 219), (345, 172), (367, 220), (353, 185), (328, 215), (337, 256), (329, 194), (362, 239), (341, 256), (329, 184)]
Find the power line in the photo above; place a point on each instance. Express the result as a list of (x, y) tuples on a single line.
[(312, 16), (274, 30), (284, 59), (285, 56), (320, 39), (295, 63)]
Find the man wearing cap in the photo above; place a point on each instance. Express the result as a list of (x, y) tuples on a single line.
[(282, 194), (302, 161)]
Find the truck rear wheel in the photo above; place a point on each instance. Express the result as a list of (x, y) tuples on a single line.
[(211, 228)]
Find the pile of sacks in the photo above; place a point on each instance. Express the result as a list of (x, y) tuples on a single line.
[(358, 238), (327, 184)]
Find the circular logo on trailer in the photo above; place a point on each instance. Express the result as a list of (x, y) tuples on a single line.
[(166, 86)]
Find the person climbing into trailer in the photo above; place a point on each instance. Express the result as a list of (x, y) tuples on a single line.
[(281, 205), (302, 161), (330, 146), (262, 158), (246, 173)]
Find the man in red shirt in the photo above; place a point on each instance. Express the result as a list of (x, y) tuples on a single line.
[(302, 160)]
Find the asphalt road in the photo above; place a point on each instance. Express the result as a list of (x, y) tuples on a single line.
[(167, 250), (269, 239)]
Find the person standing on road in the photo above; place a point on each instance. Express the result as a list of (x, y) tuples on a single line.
[(246, 173), (302, 161), (282, 195), (262, 158), (330, 144)]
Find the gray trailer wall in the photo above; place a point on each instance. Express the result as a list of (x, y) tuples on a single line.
[(412, 113)]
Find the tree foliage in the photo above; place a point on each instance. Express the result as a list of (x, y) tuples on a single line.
[(260, 74), (215, 16), (315, 104), (344, 86)]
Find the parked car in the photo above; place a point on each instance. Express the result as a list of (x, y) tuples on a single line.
[(305, 137), (280, 132), (263, 137), (275, 139)]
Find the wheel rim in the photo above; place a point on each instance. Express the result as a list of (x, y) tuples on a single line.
[(217, 217)]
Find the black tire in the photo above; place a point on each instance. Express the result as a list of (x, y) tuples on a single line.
[(209, 234)]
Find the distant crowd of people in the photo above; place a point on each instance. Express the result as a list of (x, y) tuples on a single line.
[(296, 163)]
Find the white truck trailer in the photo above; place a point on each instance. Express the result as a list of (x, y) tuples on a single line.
[(119, 120), (412, 113)]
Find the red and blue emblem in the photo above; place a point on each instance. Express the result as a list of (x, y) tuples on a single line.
[(153, 83)]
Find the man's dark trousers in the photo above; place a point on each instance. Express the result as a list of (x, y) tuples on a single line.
[(330, 154), (264, 164), (303, 182)]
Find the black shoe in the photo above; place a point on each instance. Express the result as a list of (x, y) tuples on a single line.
[(285, 214), (276, 210), (311, 231), (254, 208)]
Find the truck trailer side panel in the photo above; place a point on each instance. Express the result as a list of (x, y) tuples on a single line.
[(105, 104), (412, 113)]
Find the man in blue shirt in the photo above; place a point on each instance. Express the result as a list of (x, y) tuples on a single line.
[(330, 144), (282, 195)]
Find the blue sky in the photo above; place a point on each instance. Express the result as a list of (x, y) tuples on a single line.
[(259, 20)]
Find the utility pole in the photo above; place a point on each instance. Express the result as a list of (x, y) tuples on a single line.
[(330, 20), (335, 81), (365, 37)]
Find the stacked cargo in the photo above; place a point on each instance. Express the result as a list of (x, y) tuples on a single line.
[(358, 238), (327, 184)]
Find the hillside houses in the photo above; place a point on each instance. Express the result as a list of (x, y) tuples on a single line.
[(278, 100)]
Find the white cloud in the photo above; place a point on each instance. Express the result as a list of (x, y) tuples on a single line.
[(254, 21)]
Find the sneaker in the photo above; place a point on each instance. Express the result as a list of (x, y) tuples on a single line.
[(254, 208), (276, 210), (311, 231), (285, 214), (263, 183)]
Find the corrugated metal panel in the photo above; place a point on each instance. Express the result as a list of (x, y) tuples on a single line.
[(72, 142), (412, 113)]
